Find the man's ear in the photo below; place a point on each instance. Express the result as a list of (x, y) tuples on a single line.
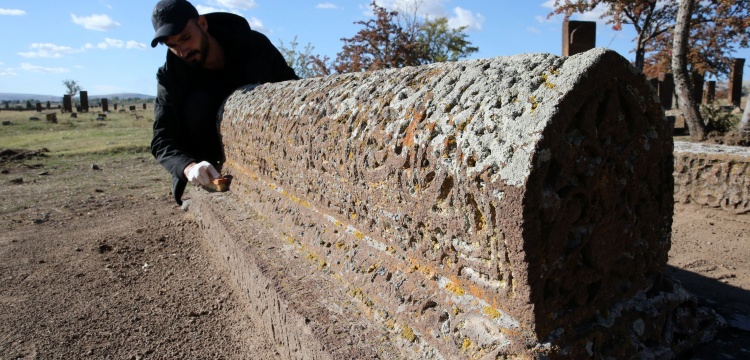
[(202, 22)]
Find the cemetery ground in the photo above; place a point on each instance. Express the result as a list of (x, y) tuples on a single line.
[(96, 260)]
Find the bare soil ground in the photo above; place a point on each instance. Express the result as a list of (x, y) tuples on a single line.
[(102, 264)]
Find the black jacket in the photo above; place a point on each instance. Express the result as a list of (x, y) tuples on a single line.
[(254, 60)]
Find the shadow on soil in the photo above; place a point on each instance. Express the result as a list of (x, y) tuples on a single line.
[(732, 303)]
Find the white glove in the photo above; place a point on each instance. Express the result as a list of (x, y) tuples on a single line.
[(202, 173)]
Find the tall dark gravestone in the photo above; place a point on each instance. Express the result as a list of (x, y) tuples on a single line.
[(710, 92), (578, 37), (84, 101), (735, 82), (666, 90), (105, 105), (38, 107), (67, 104)]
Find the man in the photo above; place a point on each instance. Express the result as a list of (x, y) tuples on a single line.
[(209, 57)]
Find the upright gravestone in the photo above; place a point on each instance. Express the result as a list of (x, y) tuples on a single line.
[(144, 106), (698, 80), (38, 107), (48, 105), (84, 101), (115, 106), (710, 92), (105, 105), (735, 82), (578, 36), (67, 104), (666, 90)]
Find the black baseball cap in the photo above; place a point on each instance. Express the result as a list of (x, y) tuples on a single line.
[(170, 17)]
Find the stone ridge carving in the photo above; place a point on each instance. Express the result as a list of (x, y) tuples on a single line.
[(495, 206), (716, 176)]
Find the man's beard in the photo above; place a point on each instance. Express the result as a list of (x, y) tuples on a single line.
[(202, 52)]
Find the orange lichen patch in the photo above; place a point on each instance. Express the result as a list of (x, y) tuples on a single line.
[(410, 133)]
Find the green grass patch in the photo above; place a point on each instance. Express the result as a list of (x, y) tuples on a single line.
[(119, 133)]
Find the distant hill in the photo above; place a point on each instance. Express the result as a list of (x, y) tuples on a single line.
[(58, 98)]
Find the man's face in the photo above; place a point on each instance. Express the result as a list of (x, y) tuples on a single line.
[(191, 44)]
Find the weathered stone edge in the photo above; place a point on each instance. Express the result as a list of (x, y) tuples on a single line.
[(309, 314)]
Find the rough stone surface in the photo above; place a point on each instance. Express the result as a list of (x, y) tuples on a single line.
[(507, 206), (713, 175)]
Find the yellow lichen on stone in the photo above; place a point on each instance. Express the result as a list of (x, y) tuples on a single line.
[(455, 289), (467, 344), (491, 312), (546, 81), (533, 102), (359, 235), (408, 334), (457, 310)]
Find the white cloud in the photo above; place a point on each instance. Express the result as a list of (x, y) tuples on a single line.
[(136, 45), (434, 9), (110, 43), (95, 22), (47, 50), (257, 25), (466, 18), (208, 9), (326, 6), (12, 12), (40, 69), (8, 72), (549, 4), (236, 4)]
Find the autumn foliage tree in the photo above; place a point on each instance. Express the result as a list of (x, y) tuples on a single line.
[(650, 18), (391, 41), (713, 29)]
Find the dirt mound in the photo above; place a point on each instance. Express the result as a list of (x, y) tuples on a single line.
[(7, 155)]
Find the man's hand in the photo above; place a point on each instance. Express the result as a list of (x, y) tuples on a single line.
[(201, 173)]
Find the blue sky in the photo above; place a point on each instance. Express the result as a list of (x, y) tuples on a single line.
[(104, 44)]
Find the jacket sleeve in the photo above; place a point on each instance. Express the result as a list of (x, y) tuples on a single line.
[(165, 145)]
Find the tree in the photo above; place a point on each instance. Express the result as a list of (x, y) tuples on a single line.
[(395, 40), (650, 18), (444, 43), (686, 102), (382, 44), (302, 61), (717, 28), (72, 87)]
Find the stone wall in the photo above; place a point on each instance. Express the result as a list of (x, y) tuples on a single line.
[(713, 175), (518, 205)]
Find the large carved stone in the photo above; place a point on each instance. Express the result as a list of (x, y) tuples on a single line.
[(518, 205)]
